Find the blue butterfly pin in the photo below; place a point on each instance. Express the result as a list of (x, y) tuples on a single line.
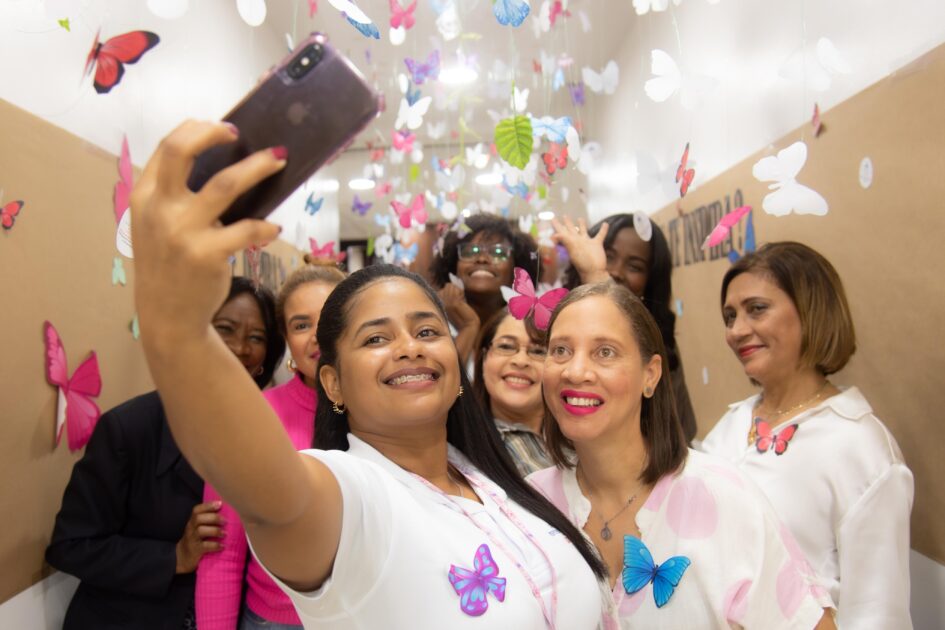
[(313, 205), (639, 570), (510, 12)]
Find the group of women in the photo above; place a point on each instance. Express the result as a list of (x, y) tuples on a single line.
[(407, 506)]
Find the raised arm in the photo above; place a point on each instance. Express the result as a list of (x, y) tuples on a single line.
[(289, 504), (587, 254)]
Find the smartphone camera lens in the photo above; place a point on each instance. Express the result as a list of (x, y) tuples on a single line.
[(304, 63)]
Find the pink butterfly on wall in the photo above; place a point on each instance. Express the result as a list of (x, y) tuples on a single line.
[(77, 412), (528, 303), (9, 212), (326, 252), (403, 141), (414, 213), (382, 190), (684, 175), (720, 231), (472, 585), (421, 71), (402, 16), (125, 183)]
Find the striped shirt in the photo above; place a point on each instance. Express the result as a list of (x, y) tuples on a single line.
[(525, 446)]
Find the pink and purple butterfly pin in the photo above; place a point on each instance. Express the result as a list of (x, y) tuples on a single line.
[(472, 586)]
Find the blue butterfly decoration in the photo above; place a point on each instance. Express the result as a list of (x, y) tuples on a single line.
[(557, 82), (639, 570), (313, 205), (510, 12), (750, 247), (520, 189), (405, 255), (412, 96), (368, 30), (555, 129), (439, 6)]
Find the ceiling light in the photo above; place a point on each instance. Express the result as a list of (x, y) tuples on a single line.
[(458, 75), (361, 183), (326, 185), (489, 179), (547, 215)]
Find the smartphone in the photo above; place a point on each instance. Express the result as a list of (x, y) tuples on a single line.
[(314, 103)]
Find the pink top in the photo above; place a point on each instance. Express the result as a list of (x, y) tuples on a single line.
[(220, 575)]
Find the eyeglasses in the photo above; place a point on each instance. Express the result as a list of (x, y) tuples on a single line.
[(497, 252), (511, 348)]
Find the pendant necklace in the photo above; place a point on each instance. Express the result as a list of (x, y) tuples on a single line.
[(605, 532), (779, 413)]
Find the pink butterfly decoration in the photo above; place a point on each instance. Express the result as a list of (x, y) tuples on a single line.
[(720, 231), (472, 586), (125, 183), (383, 190), (312, 8), (77, 411), (526, 302), (403, 141), (402, 16), (326, 252), (414, 213)]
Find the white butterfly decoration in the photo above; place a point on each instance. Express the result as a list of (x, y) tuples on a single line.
[(585, 21), (445, 98), (565, 194), (477, 156), (573, 138), (642, 225), (651, 175), (397, 35), (643, 7), (452, 180), (788, 194), (525, 223), (253, 12), (590, 157), (382, 248), (448, 23), (816, 67), (520, 99), (514, 175), (436, 130), (501, 198), (606, 81), (411, 116), (548, 64), (166, 9), (668, 80)]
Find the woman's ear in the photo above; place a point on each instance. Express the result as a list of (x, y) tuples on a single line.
[(652, 373), (328, 376)]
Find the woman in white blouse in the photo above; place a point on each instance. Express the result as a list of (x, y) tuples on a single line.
[(832, 470), (688, 540), (414, 516)]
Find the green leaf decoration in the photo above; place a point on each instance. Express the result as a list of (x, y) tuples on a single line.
[(414, 174), (370, 246), (64, 23), (542, 192), (513, 140)]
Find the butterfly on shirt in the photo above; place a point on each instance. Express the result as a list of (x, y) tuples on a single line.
[(765, 439), (639, 569), (472, 585)]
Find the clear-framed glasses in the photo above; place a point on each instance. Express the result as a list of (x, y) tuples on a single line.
[(509, 348), (499, 251)]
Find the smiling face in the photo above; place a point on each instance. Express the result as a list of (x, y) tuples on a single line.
[(628, 260), (594, 375), (301, 311), (240, 324), (483, 273), (762, 327), (511, 372), (397, 366)]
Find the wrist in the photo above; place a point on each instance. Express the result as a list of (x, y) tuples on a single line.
[(593, 276)]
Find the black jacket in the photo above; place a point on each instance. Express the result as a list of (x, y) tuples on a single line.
[(124, 510)]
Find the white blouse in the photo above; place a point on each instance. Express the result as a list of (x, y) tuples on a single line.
[(842, 488), (745, 570), (401, 539)]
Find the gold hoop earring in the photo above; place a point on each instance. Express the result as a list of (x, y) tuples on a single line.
[(460, 391), (290, 364), (258, 371), (339, 410)]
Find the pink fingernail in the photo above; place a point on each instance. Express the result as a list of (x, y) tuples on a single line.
[(233, 128), (280, 152)]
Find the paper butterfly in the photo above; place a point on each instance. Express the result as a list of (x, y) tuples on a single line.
[(382, 190), (556, 158), (477, 157), (639, 570), (313, 205), (356, 17), (577, 93), (253, 12), (642, 225), (555, 129), (472, 586), (109, 58), (510, 12), (668, 80), (312, 8), (724, 227), (436, 130), (815, 67), (816, 122), (684, 176), (644, 6), (403, 141), (749, 245), (405, 255), (412, 115), (788, 195), (767, 440), (9, 212), (402, 16), (420, 71), (412, 96), (326, 252), (361, 207), (605, 82), (76, 411), (519, 99), (520, 189), (414, 213), (527, 303), (118, 272), (64, 23), (451, 180), (122, 198)]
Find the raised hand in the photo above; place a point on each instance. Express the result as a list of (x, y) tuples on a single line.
[(587, 254)]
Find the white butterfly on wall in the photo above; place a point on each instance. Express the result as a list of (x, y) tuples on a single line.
[(520, 99), (411, 116), (452, 180), (605, 81), (436, 130), (816, 66), (668, 80), (477, 156), (788, 194)]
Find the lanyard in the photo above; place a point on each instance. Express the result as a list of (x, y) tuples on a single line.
[(536, 592)]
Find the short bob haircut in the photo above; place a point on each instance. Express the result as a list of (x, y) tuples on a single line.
[(327, 274), (275, 344), (484, 339), (524, 249), (828, 338), (660, 426)]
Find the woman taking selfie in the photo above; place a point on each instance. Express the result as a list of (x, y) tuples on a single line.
[(830, 467), (689, 543), (413, 515)]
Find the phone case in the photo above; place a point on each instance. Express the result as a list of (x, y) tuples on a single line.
[(315, 117)]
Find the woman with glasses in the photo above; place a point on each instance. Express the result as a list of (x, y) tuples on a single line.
[(510, 359), (482, 258)]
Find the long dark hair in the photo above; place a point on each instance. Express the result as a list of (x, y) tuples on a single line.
[(468, 428), (659, 285), (275, 344), (660, 426), (523, 247)]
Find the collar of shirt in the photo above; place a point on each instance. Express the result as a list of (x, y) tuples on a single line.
[(849, 404), (512, 427)]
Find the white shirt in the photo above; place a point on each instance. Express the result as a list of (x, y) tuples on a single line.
[(745, 571), (400, 537), (842, 488)]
